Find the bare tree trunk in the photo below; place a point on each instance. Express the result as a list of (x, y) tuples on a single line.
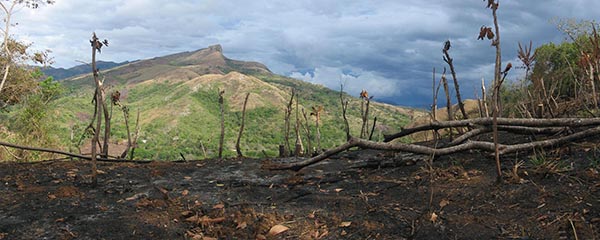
[(484, 97), (318, 133), (434, 96), (449, 60), (372, 129), (203, 149), (448, 103), (136, 135), (288, 113), (309, 150), (8, 12), (362, 118), (107, 118), (366, 117), (593, 86), (299, 147), (435, 133), (496, 97), (98, 97), (344, 105), (222, 136), (129, 143), (95, 140), (237, 143)]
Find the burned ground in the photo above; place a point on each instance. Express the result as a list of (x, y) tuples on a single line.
[(361, 194)]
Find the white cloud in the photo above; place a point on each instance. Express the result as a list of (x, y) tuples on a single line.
[(354, 80), (391, 45)]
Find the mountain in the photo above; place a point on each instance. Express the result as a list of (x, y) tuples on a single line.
[(62, 73), (177, 98)]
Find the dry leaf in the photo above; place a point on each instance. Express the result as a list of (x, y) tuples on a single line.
[(194, 236), (135, 196), (60, 220), (277, 229), (187, 213), (260, 237), (101, 172), (325, 233), (343, 233), (220, 185), (187, 178), (185, 192), (433, 217), (51, 196), (242, 225), (219, 206), (345, 224), (162, 190), (144, 202), (444, 203), (338, 189), (192, 219), (71, 174)]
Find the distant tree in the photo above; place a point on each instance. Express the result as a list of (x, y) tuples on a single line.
[(13, 52), (32, 125), (556, 63), (316, 111)]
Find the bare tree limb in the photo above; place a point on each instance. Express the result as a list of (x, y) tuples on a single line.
[(48, 150), (418, 149), (525, 122)]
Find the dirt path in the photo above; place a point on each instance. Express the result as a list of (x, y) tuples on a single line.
[(236, 199)]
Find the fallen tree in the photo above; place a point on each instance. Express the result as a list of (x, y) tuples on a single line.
[(473, 123), (562, 128), (68, 154)]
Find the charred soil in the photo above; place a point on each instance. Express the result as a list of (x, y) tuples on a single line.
[(360, 194)]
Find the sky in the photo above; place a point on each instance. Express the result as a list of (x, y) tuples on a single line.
[(388, 47)]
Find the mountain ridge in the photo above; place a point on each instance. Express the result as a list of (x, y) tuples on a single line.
[(63, 73), (177, 96)]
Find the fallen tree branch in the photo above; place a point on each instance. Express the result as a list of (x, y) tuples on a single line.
[(299, 165), (419, 149), (38, 149), (512, 129), (524, 122)]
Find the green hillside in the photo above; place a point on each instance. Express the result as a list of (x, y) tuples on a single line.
[(177, 97)]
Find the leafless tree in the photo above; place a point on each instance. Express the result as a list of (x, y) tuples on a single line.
[(222, 135), (237, 143)]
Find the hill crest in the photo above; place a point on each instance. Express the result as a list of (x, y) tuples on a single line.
[(177, 96)]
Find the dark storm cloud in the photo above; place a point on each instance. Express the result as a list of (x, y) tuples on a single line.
[(387, 47)]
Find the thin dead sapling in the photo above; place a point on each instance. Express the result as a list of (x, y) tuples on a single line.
[(222, 135), (450, 63), (96, 45), (237, 143)]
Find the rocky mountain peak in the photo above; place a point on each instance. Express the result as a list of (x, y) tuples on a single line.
[(216, 47)]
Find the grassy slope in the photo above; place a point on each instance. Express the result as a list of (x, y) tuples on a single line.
[(179, 109)]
